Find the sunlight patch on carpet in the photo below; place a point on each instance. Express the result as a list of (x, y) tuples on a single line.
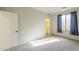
[(44, 41)]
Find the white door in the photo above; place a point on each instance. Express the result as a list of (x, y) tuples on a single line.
[(8, 28)]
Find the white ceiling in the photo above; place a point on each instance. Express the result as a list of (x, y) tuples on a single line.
[(52, 10)]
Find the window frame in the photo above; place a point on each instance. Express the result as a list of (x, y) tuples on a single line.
[(66, 22)]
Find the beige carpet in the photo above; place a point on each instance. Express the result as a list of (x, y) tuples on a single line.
[(52, 43)]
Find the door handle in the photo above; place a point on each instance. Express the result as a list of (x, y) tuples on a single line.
[(16, 31)]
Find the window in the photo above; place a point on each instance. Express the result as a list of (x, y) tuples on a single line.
[(68, 19), (66, 22), (63, 23)]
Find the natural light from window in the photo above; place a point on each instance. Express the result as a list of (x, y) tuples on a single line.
[(44, 41), (63, 23), (66, 22), (68, 19)]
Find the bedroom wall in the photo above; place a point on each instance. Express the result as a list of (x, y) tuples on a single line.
[(54, 27), (31, 23)]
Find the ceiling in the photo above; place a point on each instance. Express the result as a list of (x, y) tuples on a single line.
[(52, 10)]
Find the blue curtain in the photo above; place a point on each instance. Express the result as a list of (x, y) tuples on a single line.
[(74, 24), (59, 24)]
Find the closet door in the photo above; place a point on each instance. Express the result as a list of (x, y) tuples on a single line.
[(8, 28)]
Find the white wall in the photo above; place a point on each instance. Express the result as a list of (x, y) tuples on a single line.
[(53, 22), (31, 23), (54, 27)]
